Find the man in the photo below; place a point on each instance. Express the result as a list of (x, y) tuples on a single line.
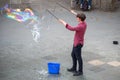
[(78, 43)]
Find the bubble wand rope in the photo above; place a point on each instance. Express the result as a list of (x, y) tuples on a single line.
[(73, 12), (53, 15), (63, 7)]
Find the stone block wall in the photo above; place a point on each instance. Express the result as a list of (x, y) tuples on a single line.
[(108, 5), (96, 4), (22, 4), (15, 3), (105, 5), (3, 2)]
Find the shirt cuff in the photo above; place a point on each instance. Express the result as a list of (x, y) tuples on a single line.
[(66, 25)]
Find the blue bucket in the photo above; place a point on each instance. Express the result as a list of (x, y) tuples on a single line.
[(53, 68)]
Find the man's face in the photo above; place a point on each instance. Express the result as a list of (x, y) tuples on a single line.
[(78, 19)]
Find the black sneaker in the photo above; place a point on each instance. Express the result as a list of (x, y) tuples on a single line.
[(72, 70), (78, 73)]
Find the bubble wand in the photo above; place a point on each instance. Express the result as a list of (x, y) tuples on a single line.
[(72, 11), (53, 15)]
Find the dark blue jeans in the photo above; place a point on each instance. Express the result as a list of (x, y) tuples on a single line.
[(76, 56), (89, 2)]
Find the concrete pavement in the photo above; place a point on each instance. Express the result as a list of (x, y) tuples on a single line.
[(21, 58)]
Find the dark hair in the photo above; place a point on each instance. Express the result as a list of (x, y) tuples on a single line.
[(82, 16)]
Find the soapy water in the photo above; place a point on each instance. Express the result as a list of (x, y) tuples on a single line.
[(35, 30), (30, 18), (33, 21), (44, 75), (33, 25), (43, 72)]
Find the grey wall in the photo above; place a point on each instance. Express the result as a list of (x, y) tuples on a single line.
[(15, 3), (106, 5), (3, 2)]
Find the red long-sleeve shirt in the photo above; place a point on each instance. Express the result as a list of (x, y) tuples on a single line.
[(79, 33)]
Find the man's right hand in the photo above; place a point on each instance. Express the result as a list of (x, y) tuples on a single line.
[(72, 11), (63, 22)]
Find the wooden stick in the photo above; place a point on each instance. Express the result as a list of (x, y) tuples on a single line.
[(60, 20), (53, 15), (63, 7), (73, 12)]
